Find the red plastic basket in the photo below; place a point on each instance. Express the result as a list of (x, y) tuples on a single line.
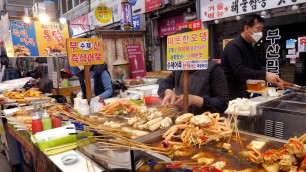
[(152, 100)]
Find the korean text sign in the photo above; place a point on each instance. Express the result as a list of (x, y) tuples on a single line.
[(136, 23), (24, 38), (103, 14), (168, 26), (85, 51), (273, 52), (51, 38), (188, 51), (212, 10), (152, 4), (194, 25), (136, 60), (302, 44)]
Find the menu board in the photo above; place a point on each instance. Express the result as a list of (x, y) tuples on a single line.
[(136, 60), (24, 39), (51, 39), (188, 51), (36, 39)]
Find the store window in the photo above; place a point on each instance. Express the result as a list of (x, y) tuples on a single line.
[(290, 27), (70, 4)]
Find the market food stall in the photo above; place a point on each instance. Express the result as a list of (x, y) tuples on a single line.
[(138, 133)]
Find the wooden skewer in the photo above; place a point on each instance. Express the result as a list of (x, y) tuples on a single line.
[(87, 165), (170, 162), (93, 166), (138, 146), (129, 147)]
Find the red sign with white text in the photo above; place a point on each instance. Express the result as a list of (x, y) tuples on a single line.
[(136, 60), (194, 25), (152, 4), (80, 25), (168, 26)]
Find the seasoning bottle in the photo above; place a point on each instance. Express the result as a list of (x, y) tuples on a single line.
[(46, 122), (56, 122), (36, 124)]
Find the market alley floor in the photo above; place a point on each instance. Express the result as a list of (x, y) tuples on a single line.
[(4, 164)]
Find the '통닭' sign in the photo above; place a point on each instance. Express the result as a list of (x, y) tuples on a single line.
[(84, 51), (188, 51)]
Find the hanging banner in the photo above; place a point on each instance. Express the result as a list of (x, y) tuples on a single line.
[(36, 39), (194, 25), (3, 135), (80, 25), (103, 14), (22, 136), (136, 60), (302, 44), (24, 38), (152, 4), (168, 26), (9, 46), (51, 39), (225, 41), (188, 51), (85, 51), (226, 8)]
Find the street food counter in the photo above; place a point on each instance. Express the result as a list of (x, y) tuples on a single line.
[(123, 134)]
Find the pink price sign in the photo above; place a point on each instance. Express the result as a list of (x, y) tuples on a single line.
[(168, 26), (136, 60)]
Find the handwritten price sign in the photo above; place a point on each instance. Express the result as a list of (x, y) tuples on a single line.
[(188, 51)]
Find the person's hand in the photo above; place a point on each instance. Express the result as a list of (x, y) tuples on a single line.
[(170, 97), (80, 95), (3, 100), (274, 79), (180, 100), (192, 100), (97, 98)]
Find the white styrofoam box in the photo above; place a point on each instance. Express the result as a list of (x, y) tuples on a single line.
[(146, 90)]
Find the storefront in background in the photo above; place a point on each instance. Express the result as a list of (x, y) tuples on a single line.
[(278, 50)]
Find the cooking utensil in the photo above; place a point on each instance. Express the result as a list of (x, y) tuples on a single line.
[(294, 87)]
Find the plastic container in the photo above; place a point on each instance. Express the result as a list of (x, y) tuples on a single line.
[(36, 124), (56, 122), (256, 85), (46, 122)]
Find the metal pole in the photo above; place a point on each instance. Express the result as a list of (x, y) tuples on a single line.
[(58, 70), (133, 25), (133, 168), (114, 36), (186, 91)]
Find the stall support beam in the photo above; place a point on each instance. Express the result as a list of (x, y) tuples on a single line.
[(186, 92), (87, 82), (133, 168), (20, 156)]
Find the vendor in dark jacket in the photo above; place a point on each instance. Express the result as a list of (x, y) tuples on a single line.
[(45, 85), (103, 88), (207, 89), (239, 59)]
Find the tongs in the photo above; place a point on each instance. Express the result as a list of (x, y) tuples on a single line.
[(294, 87)]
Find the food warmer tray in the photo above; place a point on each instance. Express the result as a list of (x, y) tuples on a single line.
[(283, 117), (233, 161)]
